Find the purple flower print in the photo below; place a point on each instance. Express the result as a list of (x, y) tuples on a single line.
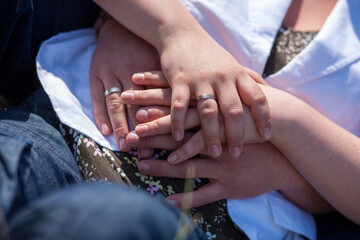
[(153, 188)]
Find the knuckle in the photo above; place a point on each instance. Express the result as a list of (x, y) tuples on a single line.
[(178, 105), (141, 95), (153, 126), (241, 72), (259, 99), (220, 75), (115, 105), (234, 112), (208, 113), (211, 139), (181, 77), (120, 129)]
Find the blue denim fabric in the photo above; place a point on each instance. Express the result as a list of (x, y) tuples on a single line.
[(98, 211), (25, 24), (36, 202), (34, 158)]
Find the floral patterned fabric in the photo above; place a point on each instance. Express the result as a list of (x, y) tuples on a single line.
[(97, 163), (288, 43)]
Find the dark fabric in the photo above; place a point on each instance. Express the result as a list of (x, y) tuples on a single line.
[(97, 163), (334, 226), (34, 158), (101, 211), (24, 25)]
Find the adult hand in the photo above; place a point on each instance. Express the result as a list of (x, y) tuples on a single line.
[(194, 65), (118, 55), (260, 169)]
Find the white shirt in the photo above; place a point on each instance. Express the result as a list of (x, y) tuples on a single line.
[(326, 74)]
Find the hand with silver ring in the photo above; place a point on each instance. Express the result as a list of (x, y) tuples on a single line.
[(194, 65), (117, 56)]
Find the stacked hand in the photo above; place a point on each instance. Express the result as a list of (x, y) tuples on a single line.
[(259, 169), (118, 55)]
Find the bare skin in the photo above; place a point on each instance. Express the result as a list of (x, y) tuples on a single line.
[(308, 15)]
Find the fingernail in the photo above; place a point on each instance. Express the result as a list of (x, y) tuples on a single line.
[(143, 167), (146, 153), (172, 158), (267, 134), (126, 96), (171, 202), (134, 137), (141, 130), (214, 150), (235, 152), (142, 115), (177, 135), (104, 128), (138, 77)]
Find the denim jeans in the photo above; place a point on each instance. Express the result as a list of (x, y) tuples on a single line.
[(42, 196), (34, 158), (99, 211)]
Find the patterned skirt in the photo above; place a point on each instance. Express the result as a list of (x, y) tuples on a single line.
[(97, 163)]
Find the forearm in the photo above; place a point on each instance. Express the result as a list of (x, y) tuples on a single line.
[(324, 153), (155, 21)]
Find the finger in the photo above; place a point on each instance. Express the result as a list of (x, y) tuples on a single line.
[(200, 168), (147, 114), (146, 152), (165, 141), (117, 114), (190, 148), (179, 105), (150, 78), (157, 96), (99, 106), (233, 114), (163, 125), (209, 193), (257, 77), (254, 97), (132, 110), (208, 112)]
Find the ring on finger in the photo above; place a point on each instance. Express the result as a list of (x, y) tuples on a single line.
[(205, 96), (112, 90)]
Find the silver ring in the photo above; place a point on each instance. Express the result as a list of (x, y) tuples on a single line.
[(205, 96), (112, 90)]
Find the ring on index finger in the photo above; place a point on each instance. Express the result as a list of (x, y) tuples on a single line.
[(205, 96), (112, 90)]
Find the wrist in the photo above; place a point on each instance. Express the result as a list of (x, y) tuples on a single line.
[(100, 22), (285, 113)]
